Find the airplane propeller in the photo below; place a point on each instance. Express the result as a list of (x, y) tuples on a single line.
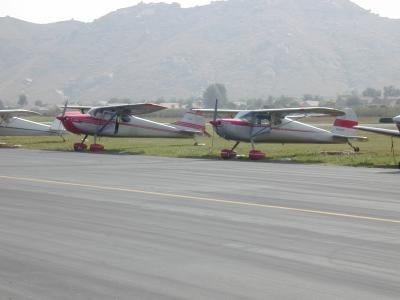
[(116, 128), (215, 115), (62, 118), (64, 108)]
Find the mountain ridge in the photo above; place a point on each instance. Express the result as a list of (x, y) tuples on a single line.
[(255, 47)]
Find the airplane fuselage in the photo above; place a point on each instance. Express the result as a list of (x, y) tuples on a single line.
[(130, 126), (21, 127), (287, 131)]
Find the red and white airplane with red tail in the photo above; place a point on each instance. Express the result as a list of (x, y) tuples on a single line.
[(277, 126), (122, 121)]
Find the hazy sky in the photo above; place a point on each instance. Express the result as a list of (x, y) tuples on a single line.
[(46, 11)]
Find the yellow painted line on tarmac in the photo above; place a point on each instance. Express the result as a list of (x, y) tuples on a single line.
[(215, 200)]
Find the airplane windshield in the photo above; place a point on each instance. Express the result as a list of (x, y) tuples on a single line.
[(254, 117), (242, 115)]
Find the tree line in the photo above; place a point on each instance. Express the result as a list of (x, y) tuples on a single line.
[(370, 101)]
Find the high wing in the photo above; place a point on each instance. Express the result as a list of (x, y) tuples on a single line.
[(6, 114), (127, 109), (211, 110), (379, 130), (17, 112), (282, 112), (82, 108)]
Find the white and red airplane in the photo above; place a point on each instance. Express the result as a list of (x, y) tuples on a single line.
[(121, 121), (276, 126), (12, 125)]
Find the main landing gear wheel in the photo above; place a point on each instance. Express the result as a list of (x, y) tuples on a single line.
[(80, 147), (356, 149), (256, 155), (96, 147), (228, 154)]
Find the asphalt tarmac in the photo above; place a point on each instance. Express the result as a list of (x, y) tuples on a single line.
[(95, 226)]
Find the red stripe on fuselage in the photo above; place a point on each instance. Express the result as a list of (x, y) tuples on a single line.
[(190, 125), (87, 119), (237, 122), (152, 128), (70, 118)]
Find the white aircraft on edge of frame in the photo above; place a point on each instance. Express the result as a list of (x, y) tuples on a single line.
[(12, 125), (389, 132)]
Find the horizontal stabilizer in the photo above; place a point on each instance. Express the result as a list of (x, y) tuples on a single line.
[(354, 138), (192, 122), (379, 130)]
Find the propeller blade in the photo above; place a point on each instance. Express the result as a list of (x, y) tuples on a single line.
[(212, 142), (215, 115), (60, 133), (215, 110), (65, 108), (116, 128)]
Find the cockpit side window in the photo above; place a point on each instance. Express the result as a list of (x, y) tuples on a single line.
[(276, 119), (242, 115), (259, 118), (108, 115), (262, 118), (245, 116)]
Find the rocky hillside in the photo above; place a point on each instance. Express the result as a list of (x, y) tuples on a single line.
[(255, 47)]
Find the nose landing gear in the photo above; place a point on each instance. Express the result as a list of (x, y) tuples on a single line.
[(81, 146), (253, 154), (228, 154)]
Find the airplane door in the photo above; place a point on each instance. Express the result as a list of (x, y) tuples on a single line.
[(261, 124)]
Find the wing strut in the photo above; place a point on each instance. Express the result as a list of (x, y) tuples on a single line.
[(105, 125)]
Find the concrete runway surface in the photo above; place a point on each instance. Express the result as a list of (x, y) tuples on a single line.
[(93, 226)]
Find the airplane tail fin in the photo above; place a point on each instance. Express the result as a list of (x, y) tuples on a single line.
[(343, 125), (192, 121)]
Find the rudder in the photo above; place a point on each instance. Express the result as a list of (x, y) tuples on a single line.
[(192, 120), (343, 125)]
